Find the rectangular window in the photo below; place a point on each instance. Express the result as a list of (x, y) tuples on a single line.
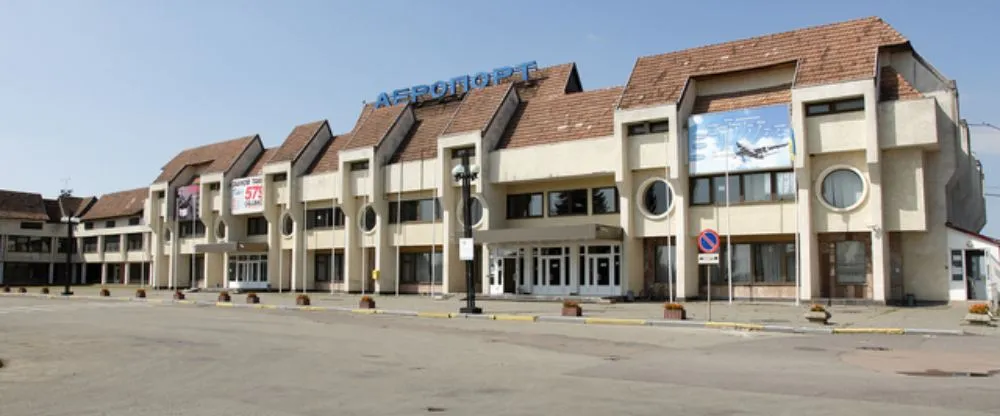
[(637, 129), (647, 127), (90, 245), (63, 245), (571, 202), (420, 267), (88, 225), (604, 200), (192, 229), (835, 106), (756, 187), (320, 218), (31, 226), (851, 265), (338, 267), (256, 226), (719, 189), (458, 153), (666, 264), (659, 126), (524, 206), (279, 177), (321, 267), (786, 187), (28, 244), (359, 166), (214, 186), (756, 263), (112, 243), (135, 221), (418, 210), (109, 224), (701, 191), (134, 242)]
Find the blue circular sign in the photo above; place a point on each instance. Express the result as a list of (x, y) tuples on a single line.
[(708, 241)]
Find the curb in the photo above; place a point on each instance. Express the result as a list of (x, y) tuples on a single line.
[(739, 326)]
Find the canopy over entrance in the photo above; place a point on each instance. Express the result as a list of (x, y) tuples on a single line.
[(582, 232)]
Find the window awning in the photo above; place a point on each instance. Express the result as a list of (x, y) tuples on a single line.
[(230, 247), (582, 232)]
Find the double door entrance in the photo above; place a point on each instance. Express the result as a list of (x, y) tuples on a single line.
[(248, 271), (556, 271)]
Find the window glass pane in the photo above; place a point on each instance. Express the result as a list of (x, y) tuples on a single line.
[(638, 128), (851, 262), (850, 105), (786, 185), (572, 202), (701, 191), (741, 266), (666, 264), (524, 205), (817, 109), (842, 188), (427, 210), (790, 263), (769, 260), (757, 187), (719, 188), (657, 198), (605, 200), (659, 126)]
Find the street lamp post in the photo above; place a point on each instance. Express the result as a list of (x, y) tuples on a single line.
[(70, 222), (467, 174)]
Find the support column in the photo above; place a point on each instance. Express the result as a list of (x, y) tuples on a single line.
[(104, 273), (808, 256), (52, 272), (126, 279)]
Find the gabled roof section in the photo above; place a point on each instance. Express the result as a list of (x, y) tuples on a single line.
[(431, 121), (329, 156), (267, 156), (894, 87), (119, 204), (825, 54), (478, 108), (68, 206), (219, 157), (743, 99), (374, 124), (296, 142), (552, 81), (563, 118), (22, 206)]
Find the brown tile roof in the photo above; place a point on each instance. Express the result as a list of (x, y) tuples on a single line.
[(218, 157), (267, 156), (825, 54), (894, 87), (575, 116), (743, 99), (477, 109), (421, 141), (329, 156), (297, 141), (118, 204), (52, 210), (22, 206), (550, 81), (374, 124)]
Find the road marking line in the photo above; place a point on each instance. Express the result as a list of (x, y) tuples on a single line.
[(365, 311), (519, 318), (888, 331), (224, 304), (434, 314), (614, 321)]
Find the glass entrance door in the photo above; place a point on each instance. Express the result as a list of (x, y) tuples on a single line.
[(975, 274), (600, 270), (552, 271)]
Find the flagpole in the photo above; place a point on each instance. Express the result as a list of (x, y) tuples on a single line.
[(729, 223), (399, 228), (670, 262), (798, 227), (437, 174), (305, 245)]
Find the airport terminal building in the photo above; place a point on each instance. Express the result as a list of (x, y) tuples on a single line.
[(832, 161)]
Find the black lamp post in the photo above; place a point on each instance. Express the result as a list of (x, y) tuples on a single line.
[(467, 174), (70, 222)]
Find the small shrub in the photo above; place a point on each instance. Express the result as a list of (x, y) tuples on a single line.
[(178, 295), (45, 291), (140, 293), (979, 309), (302, 300), (571, 304), (6, 289), (252, 298), (367, 298), (673, 307), (22, 290), (224, 296), (817, 308), (105, 292)]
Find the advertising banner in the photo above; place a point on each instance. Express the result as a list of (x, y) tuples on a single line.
[(247, 195), (741, 140), (187, 202)]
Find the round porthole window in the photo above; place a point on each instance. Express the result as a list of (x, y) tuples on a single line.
[(220, 230), (657, 197), (287, 225), (477, 211), (842, 188), (368, 219)]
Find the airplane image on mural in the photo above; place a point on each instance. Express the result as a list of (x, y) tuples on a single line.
[(744, 150)]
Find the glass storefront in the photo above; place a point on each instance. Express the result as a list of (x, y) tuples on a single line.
[(586, 270), (247, 271)]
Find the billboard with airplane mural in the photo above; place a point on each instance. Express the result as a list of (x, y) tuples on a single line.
[(741, 140)]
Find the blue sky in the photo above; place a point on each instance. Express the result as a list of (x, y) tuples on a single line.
[(106, 92)]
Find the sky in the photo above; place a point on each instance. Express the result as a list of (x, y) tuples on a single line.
[(101, 94)]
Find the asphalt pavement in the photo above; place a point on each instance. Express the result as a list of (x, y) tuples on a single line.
[(85, 357)]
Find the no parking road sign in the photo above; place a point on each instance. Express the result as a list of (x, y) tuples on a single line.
[(708, 241)]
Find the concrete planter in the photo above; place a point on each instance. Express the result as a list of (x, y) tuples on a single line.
[(141, 294), (224, 297), (22, 290), (978, 319), (253, 299), (676, 314), (178, 295), (45, 291), (821, 317), (302, 300), (105, 292), (572, 311), (366, 304)]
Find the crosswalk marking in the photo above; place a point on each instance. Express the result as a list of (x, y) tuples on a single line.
[(67, 307)]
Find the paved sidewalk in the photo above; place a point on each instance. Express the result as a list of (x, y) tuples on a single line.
[(945, 317)]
